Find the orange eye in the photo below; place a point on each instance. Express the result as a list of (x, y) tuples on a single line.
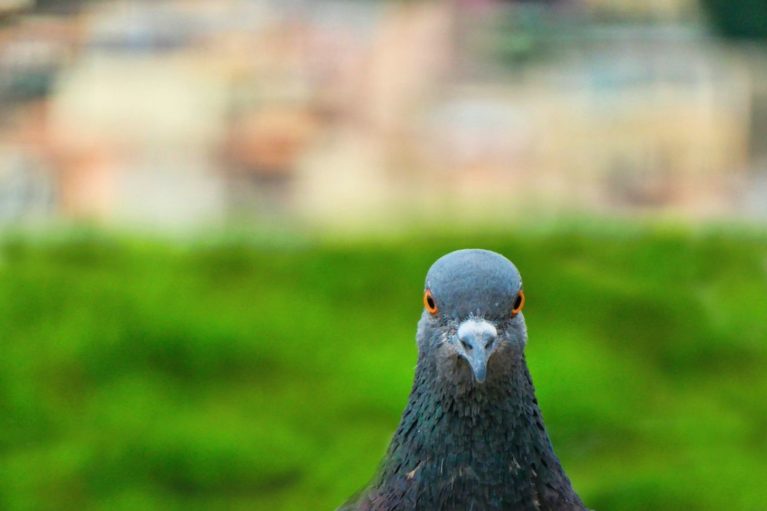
[(519, 303), (429, 303)]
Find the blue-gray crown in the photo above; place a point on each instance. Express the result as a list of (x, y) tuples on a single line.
[(474, 282)]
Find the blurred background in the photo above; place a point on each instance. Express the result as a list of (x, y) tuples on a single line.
[(216, 217)]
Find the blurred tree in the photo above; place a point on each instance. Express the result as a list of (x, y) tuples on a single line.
[(741, 19)]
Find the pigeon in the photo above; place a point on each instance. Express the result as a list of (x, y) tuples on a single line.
[(472, 437)]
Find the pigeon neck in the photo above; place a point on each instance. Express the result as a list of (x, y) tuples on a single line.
[(487, 441)]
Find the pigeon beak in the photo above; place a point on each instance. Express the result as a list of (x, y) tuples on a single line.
[(476, 342)]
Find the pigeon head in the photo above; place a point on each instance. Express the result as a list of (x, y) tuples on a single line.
[(472, 327)]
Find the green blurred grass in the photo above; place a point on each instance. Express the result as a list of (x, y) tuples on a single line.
[(243, 374)]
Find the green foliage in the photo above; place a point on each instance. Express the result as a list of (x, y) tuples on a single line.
[(238, 375), (739, 19)]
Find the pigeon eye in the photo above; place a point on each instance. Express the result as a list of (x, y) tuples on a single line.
[(429, 303), (519, 303)]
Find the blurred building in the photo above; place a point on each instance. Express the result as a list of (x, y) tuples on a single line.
[(195, 112)]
